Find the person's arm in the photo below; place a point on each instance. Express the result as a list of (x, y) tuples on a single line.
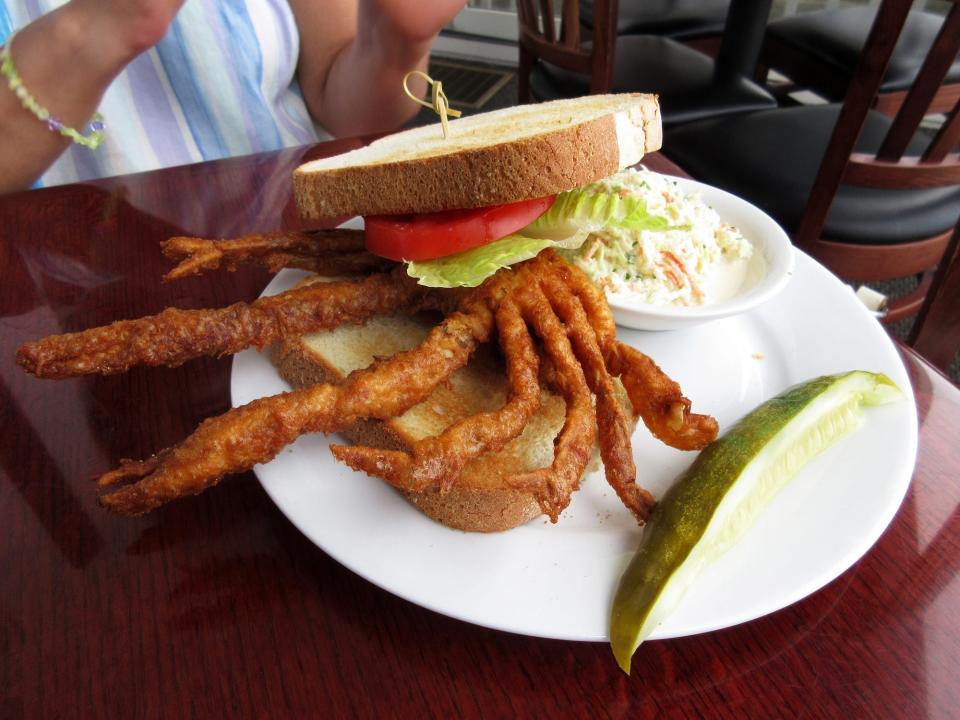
[(354, 54), (67, 59)]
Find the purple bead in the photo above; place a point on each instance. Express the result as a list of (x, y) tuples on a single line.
[(54, 124), (96, 125)]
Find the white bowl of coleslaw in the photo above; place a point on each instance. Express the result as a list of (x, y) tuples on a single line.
[(720, 255)]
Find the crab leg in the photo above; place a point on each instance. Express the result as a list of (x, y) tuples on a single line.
[(175, 336), (553, 486), (613, 423), (326, 252), (660, 402), (591, 297), (656, 397), (256, 432)]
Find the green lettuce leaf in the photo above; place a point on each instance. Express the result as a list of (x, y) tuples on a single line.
[(590, 209), (571, 219), (470, 268)]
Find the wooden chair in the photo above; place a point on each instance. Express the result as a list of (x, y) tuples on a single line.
[(560, 62), (819, 51), (868, 195), (936, 332)]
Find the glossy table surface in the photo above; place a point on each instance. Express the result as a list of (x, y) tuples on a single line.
[(216, 606)]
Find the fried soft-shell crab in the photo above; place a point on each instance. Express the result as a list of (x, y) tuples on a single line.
[(552, 323)]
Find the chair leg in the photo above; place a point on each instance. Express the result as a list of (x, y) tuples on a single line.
[(936, 332), (524, 66)]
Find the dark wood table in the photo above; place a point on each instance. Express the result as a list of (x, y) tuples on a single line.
[(216, 606)]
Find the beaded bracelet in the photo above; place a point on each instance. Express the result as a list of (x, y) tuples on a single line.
[(29, 103)]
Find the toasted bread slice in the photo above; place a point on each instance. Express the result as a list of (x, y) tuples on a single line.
[(508, 155)]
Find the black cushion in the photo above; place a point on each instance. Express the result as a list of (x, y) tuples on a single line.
[(771, 159), (679, 19), (684, 78), (836, 37)]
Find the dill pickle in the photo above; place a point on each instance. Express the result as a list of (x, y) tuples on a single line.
[(718, 497)]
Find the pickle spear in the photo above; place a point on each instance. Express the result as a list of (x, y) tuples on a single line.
[(716, 500)]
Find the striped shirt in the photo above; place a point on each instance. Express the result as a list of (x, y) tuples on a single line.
[(220, 83)]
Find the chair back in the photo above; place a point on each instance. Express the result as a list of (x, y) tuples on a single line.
[(565, 46), (891, 166)]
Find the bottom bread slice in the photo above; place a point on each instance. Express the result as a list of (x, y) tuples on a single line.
[(480, 501)]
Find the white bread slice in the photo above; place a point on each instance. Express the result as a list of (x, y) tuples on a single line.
[(481, 501), (508, 155)]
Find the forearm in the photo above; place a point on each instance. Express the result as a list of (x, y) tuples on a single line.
[(364, 90), (66, 60), (352, 74)]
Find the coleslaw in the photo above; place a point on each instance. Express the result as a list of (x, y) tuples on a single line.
[(693, 259)]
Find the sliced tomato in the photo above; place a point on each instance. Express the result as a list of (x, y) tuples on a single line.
[(434, 235)]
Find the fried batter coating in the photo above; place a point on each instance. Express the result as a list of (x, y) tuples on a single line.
[(256, 432), (660, 401), (591, 298), (325, 252), (553, 486), (130, 469), (655, 396), (613, 423), (175, 336), (545, 297)]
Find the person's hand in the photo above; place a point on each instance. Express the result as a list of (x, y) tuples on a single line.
[(67, 58)]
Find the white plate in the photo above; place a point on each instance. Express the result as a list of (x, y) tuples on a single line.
[(558, 580), (767, 274)]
